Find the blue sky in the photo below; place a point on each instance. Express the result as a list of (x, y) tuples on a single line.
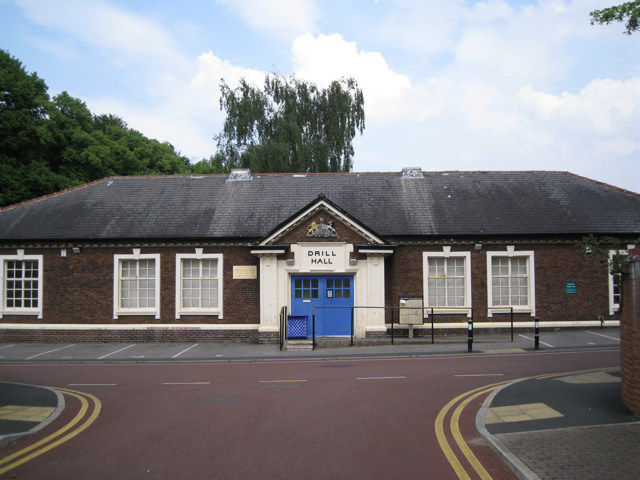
[(448, 85)]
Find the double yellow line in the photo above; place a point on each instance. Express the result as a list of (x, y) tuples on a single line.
[(47, 443), (455, 428)]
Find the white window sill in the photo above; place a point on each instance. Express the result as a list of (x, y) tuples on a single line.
[(22, 311), (518, 309), (199, 312), (139, 311), (448, 311)]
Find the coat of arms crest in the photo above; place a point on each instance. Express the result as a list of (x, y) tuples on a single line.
[(322, 230)]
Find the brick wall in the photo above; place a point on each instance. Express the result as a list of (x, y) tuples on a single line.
[(154, 335), (630, 333), (555, 264), (79, 288)]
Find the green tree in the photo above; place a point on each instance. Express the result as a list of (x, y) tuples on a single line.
[(629, 11), (49, 145), (208, 166), (157, 158), (24, 138), (291, 125), (608, 251), (80, 152)]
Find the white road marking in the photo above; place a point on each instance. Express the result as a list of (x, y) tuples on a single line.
[(280, 381), (592, 343), (523, 336), (105, 356), (482, 375), (7, 346), (178, 354), (605, 336), (378, 378), (50, 351), (188, 383), (91, 384)]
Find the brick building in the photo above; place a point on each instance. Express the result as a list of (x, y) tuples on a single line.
[(217, 257), (630, 333)]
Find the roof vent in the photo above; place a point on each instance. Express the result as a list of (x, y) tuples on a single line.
[(412, 172), (239, 175)]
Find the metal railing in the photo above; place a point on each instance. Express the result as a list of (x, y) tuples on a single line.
[(283, 326), (433, 312)]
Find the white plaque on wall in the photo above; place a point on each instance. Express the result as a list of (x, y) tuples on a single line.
[(245, 272)]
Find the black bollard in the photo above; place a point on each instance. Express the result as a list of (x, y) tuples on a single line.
[(537, 335), (470, 337)]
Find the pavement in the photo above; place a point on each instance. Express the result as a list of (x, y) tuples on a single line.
[(571, 427), (232, 351), (25, 409)]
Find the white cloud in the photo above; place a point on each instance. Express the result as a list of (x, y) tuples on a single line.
[(603, 107), (487, 108), (107, 27), (387, 94), (212, 69), (620, 146), (417, 26), (284, 19)]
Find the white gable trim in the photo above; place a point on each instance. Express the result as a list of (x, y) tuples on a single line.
[(321, 205)]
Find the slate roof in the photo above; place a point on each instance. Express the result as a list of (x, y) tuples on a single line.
[(454, 203)]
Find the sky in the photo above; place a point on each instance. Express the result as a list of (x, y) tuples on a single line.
[(448, 84)]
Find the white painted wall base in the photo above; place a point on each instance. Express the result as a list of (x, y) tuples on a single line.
[(489, 325), (148, 326)]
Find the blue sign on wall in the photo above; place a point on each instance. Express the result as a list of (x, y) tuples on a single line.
[(571, 287)]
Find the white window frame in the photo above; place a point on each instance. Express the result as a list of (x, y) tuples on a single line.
[(136, 255), (3, 285), (447, 253), (531, 271), (613, 306), (199, 311)]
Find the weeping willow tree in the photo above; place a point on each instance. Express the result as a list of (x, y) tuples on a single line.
[(291, 125)]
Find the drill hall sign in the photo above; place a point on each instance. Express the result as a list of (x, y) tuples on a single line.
[(322, 256)]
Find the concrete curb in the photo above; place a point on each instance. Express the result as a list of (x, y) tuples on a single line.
[(519, 468), (14, 437)]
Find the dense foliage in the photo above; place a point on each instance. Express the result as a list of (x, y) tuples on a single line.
[(629, 11), (51, 144), (290, 126), (47, 145), (607, 251)]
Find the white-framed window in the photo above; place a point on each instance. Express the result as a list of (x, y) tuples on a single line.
[(447, 281), (21, 284), (614, 283), (136, 284), (199, 283), (511, 281)]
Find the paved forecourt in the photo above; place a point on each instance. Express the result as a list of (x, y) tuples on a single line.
[(176, 352), (566, 427)]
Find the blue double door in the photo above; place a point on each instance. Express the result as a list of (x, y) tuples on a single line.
[(308, 291)]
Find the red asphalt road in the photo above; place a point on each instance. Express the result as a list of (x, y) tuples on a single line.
[(339, 423)]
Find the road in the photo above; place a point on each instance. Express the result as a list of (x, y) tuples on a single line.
[(365, 418)]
